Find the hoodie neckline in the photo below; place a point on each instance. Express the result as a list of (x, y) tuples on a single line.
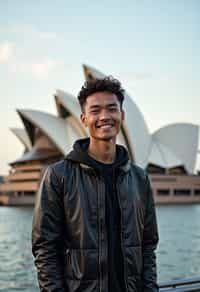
[(80, 155)]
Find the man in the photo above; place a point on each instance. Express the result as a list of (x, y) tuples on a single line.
[(94, 227)]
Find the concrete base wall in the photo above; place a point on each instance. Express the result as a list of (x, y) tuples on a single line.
[(17, 201)]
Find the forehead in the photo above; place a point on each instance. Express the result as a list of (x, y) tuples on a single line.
[(101, 99)]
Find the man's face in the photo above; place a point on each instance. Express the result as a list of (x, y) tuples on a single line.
[(102, 115)]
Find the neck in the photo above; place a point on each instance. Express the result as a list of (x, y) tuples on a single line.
[(102, 150)]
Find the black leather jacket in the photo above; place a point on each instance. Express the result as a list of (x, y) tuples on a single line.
[(69, 239)]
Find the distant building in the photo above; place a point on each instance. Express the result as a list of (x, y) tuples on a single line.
[(169, 154)]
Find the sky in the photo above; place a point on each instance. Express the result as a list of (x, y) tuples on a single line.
[(152, 46)]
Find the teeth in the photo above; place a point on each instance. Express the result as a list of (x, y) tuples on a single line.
[(106, 126)]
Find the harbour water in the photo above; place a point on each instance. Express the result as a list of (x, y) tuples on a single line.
[(178, 253)]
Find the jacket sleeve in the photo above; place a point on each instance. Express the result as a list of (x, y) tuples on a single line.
[(150, 241), (47, 234)]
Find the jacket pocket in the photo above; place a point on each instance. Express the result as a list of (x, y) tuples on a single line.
[(82, 264)]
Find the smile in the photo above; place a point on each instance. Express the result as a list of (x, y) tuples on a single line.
[(107, 126)]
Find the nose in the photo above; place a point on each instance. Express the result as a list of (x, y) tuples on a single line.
[(104, 115)]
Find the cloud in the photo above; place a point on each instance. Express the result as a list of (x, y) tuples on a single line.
[(40, 70), (43, 69), (33, 33), (6, 52)]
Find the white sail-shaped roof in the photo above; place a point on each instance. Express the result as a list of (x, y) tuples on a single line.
[(162, 156), (171, 146), (70, 104), (21, 134), (134, 127), (91, 73), (55, 128), (182, 140)]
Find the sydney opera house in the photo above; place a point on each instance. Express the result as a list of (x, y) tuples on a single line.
[(169, 155)]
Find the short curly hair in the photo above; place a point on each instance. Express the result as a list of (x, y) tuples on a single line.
[(108, 84)]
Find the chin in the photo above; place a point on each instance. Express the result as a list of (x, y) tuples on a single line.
[(104, 136), (107, 138)]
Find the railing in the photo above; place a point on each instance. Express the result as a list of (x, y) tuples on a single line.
[(180, 285)]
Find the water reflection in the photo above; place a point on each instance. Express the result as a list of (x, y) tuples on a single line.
[(179, 247), (178, 252)]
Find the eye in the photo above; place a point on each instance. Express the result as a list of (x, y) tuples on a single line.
[(94, 111), (113, 109)]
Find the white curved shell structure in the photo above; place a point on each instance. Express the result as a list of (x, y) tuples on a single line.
[(171, 146), (21, 134), (181, 139), (72, 108), (162, 156), (61, 134), (69, 102)]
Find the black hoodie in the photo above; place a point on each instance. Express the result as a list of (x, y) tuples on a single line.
[(107, 171)]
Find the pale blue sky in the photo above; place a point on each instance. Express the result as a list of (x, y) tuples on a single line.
[(153, 47)]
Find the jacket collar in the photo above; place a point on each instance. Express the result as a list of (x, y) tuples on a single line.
[(124, 168)]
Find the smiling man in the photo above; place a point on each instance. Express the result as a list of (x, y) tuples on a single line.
[(94, 225)]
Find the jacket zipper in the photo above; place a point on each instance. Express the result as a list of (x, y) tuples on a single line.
[(101, 205), (99, 233), (122, 246)]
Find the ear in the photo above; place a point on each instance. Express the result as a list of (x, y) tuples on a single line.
[(83, 119)]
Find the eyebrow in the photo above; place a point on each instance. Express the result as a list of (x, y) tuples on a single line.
[(113, 104), (108, 105)]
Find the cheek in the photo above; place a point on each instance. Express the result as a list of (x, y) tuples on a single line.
[(91, 123), (118, 120)]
